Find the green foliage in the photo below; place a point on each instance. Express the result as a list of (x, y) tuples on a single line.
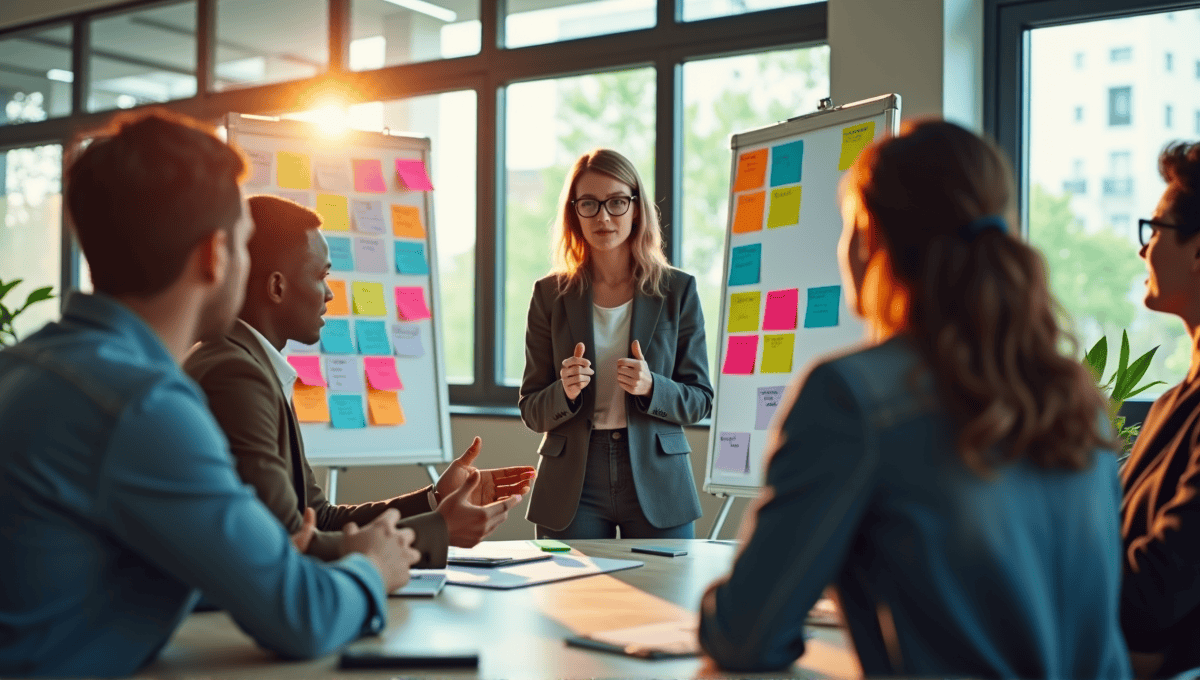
[(1122, 384), (8, 334)]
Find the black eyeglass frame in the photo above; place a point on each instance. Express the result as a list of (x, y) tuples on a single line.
[(604, 204), (1144, 238)]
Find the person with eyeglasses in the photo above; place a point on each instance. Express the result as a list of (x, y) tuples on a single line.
[(1160, 513), (615, 365)]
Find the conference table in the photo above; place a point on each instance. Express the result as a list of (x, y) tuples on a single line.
[(519, 633)]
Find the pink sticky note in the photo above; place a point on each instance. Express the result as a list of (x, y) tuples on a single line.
[(381, 373), (740, 354), (782, 307), (368, 175), (410, 302), (413, 174), (308, 369)]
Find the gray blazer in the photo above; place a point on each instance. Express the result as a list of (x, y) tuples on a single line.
[(671, 333)]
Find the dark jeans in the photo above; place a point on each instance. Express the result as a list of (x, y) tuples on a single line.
[(608, 500)]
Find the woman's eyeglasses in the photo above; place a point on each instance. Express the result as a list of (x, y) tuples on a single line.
[(1146, 229), (590, 207)]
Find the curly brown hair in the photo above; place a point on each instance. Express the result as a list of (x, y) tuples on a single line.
[(1179, 165)]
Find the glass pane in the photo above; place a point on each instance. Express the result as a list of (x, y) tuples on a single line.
[(694, 10), (550, 124), (31, 231), (390, 32), (268, 41), (721, 97), (1104, 98), (35, 76), (143, 57), (537, 22)]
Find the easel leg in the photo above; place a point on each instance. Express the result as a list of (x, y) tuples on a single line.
[(433, 473), (716, 528), (331, 485)]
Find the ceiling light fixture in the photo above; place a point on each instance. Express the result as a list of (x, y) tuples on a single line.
[(427, 8), (60, 75)]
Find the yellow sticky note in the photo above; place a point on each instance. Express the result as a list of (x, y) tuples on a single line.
[(384, 407), (406, 221), (777, 353), (293, 170), (747, 215), (743, 311), (337, 305), (854, 139), (785, 208), (334, 211), (368, 299), (752, 170), (310, 403)]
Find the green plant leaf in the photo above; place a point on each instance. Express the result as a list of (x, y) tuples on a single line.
[(39, 295), (1123, 362), (5, 316), (1132, 376), (1143, 388), (1097, 357), (5, 287)]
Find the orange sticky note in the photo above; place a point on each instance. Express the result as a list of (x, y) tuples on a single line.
[(747, 215), (752, 170), (310, 403), (338, 305), (384, 407), (406, 221), (293, 170), (334, 211)]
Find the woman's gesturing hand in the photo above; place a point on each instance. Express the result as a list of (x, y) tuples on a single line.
[(576, 373), (633, 375)]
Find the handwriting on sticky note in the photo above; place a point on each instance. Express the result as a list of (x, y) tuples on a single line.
[(334, 211), (782, 308), (381, 373), (293, 347), (337, 306), (854, 139), (777, 353), (260, 168), (293, 170), (751, 170), (785, 208), (410, 303), (740, 355), (308, 370), (768, 403), (384, 407), (406, 221), (335, 337), (368, 216), (372, 337), (299, 197), (333, 175), (743, 311), (734, 452), (341, 254), (406, 340), (745, 264), (748, 212), (368, 298), (410, 257), (823, 304), (347, 411), (786, 162), (344, 375), (310, 403), (368, 175), (370, 254), (412, 173)]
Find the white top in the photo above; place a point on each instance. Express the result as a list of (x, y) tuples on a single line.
[(283, 370), (610, 335)]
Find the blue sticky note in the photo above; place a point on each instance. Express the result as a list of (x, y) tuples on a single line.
[(346, 411), (823, 304), (341, 253), (744, 264), (786, 160), (372, 338), (335, 337), (410, 257)]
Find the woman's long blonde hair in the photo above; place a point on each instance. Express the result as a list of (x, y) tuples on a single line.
[(572, 256)]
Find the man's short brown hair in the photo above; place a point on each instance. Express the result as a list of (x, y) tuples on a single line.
[(280, 232)]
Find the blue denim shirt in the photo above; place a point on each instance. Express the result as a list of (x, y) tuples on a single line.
[(940, 572), (119, 499)]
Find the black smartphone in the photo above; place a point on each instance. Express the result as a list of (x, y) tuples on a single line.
[(379, 655), (658, 550)]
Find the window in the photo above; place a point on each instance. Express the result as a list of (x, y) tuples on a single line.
[(1079, 60), (35, 76), (1120, 105), (143, 57), (1198, 122), (694, 10), (1167, 111), (1118, 54), (390, 32), (1170, 62), (259, 43), (1078, 114), (558, 20), (30, 229)]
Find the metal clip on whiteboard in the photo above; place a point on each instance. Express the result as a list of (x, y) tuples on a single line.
[(826, 104)]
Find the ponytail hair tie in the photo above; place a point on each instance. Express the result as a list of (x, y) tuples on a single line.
[(982, 224)]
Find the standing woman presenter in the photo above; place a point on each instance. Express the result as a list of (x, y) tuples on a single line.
[(615, 366)]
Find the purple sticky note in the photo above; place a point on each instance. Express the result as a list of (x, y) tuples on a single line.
[(734, 452), (370, 255), (308, 369), (410, 303), (413, 175), (740, 355), (768, 403), (368, 175), (381, 373), (782, 310)]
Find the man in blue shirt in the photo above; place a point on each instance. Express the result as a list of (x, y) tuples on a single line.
[(118, 497)]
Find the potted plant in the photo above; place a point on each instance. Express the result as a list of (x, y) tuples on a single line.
[(1121, 385), (8, 334)]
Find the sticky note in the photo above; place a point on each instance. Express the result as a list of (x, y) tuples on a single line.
[(412, 174), (777, 353), (334, 211), (381, 373), (368, 175), (341, 255), (308, 370), (745, 264), (384, 407), (260, 168), (743, 311), (406, 221), (768, 403), (740, 354), (346, 411), (310, 403), (335, 337), (410, 257), (293, 170), (786, 160), (293, 347), (733, 455), (301, 197), (370, 254), (823, 304), (333, 175), (782, 308), (337, 306), (343, 374), (368, 216), (368, 298), (748, 212), (854, 139), (785, 207), (751, 170), (372, 337), (410, 303), (406, 340)]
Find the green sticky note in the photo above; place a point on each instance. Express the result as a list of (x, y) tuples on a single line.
[(743, 311), (777, 353), (785, 208)]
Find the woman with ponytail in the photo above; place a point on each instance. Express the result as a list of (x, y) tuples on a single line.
[(954, 480)]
